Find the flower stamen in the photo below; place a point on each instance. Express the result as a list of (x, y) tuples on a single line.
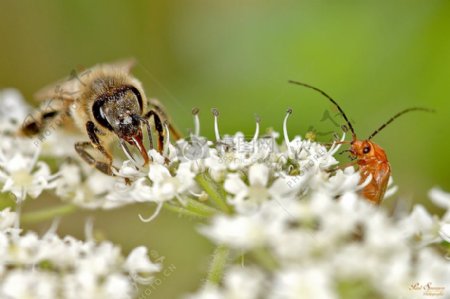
[(365, 183), (336, 145), (34, 159), (256, 135), (286, 137), (53, 228), (127, 153), (154, 215), (166, 144), (195, 112), (89, 229), (215, 112)]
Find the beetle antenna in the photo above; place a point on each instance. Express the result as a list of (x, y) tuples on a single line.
[(396, 116), (331, 99)]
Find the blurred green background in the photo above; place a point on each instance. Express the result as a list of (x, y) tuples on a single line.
[(375, 57)]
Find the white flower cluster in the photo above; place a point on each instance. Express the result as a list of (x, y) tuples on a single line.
[(32, 266), (25, 171), (51, 267), (300, 232), (296, 227), (316, 247)]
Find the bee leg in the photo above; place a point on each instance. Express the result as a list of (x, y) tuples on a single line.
[(159, 128), (80, 147), (173, 131), (104, 167)]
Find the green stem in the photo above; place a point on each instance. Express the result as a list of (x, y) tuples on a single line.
[(181, 210), (198, 207), (218, 263), (188, 210), (264, 258), (214, 191), (47, 214), (193, 208)]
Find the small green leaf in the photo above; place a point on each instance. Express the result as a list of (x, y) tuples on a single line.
[(7, 200)]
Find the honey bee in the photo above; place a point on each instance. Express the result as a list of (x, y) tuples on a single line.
[(107, 103)]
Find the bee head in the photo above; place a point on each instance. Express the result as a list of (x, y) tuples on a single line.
[(120, 112)]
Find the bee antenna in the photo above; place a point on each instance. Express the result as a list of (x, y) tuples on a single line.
[(396, 116), (331, 99)]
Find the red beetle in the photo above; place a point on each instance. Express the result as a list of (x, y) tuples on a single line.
[(370, 157)]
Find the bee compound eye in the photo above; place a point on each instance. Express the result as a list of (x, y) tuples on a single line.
[(366, 149)]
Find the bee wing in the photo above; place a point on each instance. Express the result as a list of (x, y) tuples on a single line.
[(69, 87), (124, 65), (64, 89)]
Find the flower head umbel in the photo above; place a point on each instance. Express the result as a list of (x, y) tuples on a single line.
[(442, 199), (20, 171), (249, 197), (317, 247), (32, 266), (288, 222), (13, 110), (309, 234)]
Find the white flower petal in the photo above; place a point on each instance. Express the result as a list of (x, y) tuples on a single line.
[(258, 174), (444, 232), (234, 184), (440, 198)]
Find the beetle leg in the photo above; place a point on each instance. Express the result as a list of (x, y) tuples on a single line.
[(343, 166)]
